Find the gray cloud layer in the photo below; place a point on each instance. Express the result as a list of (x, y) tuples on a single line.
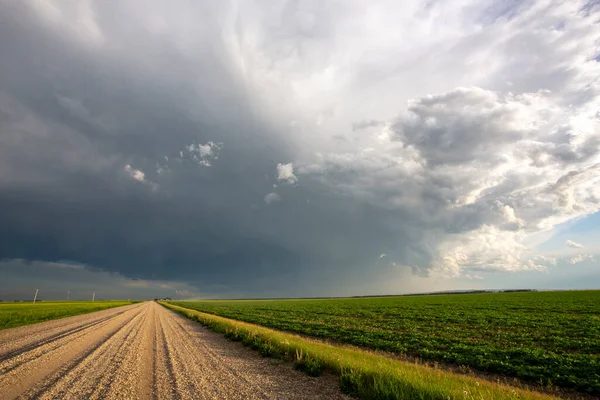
[(256, 150)]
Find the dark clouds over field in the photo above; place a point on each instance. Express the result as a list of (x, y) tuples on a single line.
[(303, 148)]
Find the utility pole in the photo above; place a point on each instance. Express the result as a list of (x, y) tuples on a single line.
[(93, 296), (35, 297)]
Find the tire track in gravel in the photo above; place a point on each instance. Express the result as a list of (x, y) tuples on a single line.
[(91, 376), (32, 367), (143, 351), (31, 337)]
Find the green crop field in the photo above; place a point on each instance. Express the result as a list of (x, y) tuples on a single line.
[(17, 314), (552, 338)]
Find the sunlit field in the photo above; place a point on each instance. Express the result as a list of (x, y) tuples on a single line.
[(548, 338), (362, 373), (17, 314)]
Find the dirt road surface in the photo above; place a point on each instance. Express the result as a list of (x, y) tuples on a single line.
[(142, 351)]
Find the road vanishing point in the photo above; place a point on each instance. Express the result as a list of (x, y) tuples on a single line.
[(142, 351)]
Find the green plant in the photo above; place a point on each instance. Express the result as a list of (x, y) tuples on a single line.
[(364, 374), (310, 365), (540, 337)]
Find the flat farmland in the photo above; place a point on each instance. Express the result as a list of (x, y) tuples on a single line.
[(550, 338), (18, 314)]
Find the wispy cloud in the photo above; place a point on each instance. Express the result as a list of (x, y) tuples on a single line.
[(581, 258), (573, 244), (271, 198)]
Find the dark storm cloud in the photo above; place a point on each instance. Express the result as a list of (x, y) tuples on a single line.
[(368, 123), (57, 280), (212, 143), (74, 115)]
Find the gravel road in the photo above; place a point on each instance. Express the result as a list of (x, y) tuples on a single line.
[(142, 351)]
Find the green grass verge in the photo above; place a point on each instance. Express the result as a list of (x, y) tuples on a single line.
[(363, 374), (18, 314)]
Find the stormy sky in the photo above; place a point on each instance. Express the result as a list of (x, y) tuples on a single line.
[(297, 148)]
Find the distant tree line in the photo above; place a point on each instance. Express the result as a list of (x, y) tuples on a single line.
[(453, 292)]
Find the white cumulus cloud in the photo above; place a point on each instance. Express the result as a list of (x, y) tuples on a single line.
[(285, 173), (135, 174), (139, 175), (203, 154)]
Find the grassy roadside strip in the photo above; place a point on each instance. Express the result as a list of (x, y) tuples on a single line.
[(362, 373)]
